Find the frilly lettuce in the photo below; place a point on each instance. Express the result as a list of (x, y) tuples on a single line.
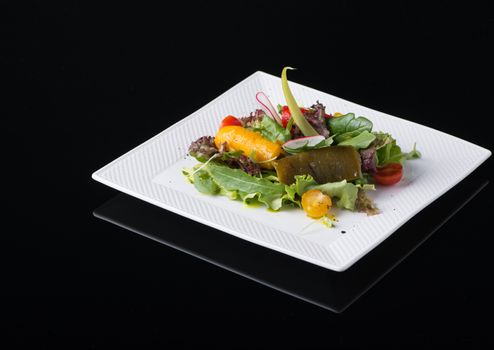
[(388, 151), (345, 192), (214, 178), (235, 183), (271, 130), (204, 183)]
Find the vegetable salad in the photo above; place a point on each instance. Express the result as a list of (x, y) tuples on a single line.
[(297, 156)]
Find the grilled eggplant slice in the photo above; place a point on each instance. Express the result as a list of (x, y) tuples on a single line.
[(330, 164)]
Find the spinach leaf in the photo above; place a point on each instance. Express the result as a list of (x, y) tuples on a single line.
[(362, 140), (347, 126)]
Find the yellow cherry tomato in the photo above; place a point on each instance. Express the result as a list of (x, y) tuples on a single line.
[(315, 203), (337, 114)]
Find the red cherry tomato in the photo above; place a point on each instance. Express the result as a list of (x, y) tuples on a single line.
[(389, 174), (286, 115), (230, 121)]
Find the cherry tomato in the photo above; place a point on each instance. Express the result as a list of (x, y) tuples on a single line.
[(315, 203), (230, 121), (389, 174), (286, 115)]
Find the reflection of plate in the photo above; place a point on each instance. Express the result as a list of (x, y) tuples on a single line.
[(328, 289), (151, 172)]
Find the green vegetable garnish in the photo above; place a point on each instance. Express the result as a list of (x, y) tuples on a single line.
[(204, 183), (271, 130), (345, 192), (215, 179), (235, 183), (347, 126), (297, 115), (362, 140), (413, 154), (387, 151)]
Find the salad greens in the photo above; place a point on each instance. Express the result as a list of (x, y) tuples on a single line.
[(351, 131), (346, 192), (204, 182), (347, 126), (362, 140), (239, 161), (271, 130), (235, 183), (215, 178), (388, 151)]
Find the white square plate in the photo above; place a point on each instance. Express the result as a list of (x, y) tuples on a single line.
[(152, 172)]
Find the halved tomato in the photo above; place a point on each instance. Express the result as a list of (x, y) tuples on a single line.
[(389, 174), (230, 121)]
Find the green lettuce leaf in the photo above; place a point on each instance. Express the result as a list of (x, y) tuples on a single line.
[(365, 179), (247, 187), (271, 130), (387, 151), (214, 178), (362, 140), (347, 126), (345, 192), (291, 195), (302, 182), (204, 183), (188, 174)]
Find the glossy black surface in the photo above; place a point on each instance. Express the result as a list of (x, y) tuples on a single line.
[(90, 83), (331, 290)]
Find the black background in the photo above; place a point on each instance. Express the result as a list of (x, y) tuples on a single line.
[(92, 82)]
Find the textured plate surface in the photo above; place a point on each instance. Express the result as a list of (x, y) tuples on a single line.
[(152, 172)]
